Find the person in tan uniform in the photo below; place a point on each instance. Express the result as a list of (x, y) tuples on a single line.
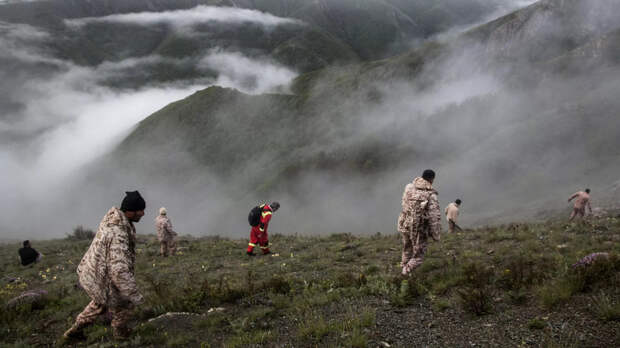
[(165, 233), (582, 200), (452, 213), (106, 272), (419, 219)]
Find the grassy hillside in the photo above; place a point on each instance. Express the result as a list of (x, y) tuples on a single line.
[(505, 285)]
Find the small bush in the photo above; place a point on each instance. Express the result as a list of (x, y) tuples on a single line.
[(604, 308), (348, 280), (358, 339), (313, 329), (525, 270), (81, 233), (556, 292), (245, 339), (441, 304), (536, 324), (518, 297), (277, 285), (476, 296), (406, 292), (586, 277)]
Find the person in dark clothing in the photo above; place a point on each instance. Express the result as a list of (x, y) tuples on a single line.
[(28, 255)]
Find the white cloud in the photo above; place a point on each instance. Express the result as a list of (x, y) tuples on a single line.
[(247, 74), (68, 118), (190, 17)]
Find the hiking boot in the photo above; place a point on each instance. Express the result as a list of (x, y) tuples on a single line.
[(75, 333), (250, 253)]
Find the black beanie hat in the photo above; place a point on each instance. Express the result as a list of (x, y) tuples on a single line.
[(133, 202), (428, 175)]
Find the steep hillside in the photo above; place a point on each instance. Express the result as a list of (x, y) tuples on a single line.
[(547, 28), (277, 134), (515, 131)]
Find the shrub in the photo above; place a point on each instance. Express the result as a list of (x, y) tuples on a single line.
[(81, 233), (518, 297), (406, 291), (358, 339), (604, 308), (441, 304), (277, 285), (556, 292), (348, 280), (313, 329), (602, 270), (476, 295), (525, 270), (536, 324)]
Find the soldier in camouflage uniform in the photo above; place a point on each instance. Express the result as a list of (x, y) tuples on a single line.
[(420, 219), (106, 271), (165, 233)]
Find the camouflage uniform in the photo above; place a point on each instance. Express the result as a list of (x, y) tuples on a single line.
[(106, 273), (420, 218), (452, 213), (165, 235), (581, 202)]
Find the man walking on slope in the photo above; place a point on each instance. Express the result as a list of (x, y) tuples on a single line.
[(581, 202), (165, 233), (258, 233), (106, 271), (452, 213), (420, 219)]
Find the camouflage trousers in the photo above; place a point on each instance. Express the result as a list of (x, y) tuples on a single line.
[(451, 226), (577, 212), (120, 317), (168, 247), (414, 247)]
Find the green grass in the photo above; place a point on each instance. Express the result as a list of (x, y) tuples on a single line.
[(335, 290)]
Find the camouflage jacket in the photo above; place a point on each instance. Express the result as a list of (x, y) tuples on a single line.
[(420, 210), (164, 228), (106, 271)]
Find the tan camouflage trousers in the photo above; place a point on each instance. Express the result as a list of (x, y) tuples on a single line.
[(120, 318), (414, 247), (168, 247), (577, 212), (451, 226)]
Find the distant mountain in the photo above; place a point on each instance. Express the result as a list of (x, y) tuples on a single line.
[(339, 31), (547, 28)]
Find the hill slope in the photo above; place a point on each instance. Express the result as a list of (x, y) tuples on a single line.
[(343, 290)]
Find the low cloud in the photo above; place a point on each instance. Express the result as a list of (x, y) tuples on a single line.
[(247, 74), (191, 17), (59, 120)]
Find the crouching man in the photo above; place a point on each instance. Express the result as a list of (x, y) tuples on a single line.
[(106, 271)]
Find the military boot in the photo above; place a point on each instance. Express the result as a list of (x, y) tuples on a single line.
[(75, 333)]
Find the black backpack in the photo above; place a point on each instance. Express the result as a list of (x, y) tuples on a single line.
[(255, 215)]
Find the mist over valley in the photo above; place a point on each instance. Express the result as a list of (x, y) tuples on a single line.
[(208, 107)]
